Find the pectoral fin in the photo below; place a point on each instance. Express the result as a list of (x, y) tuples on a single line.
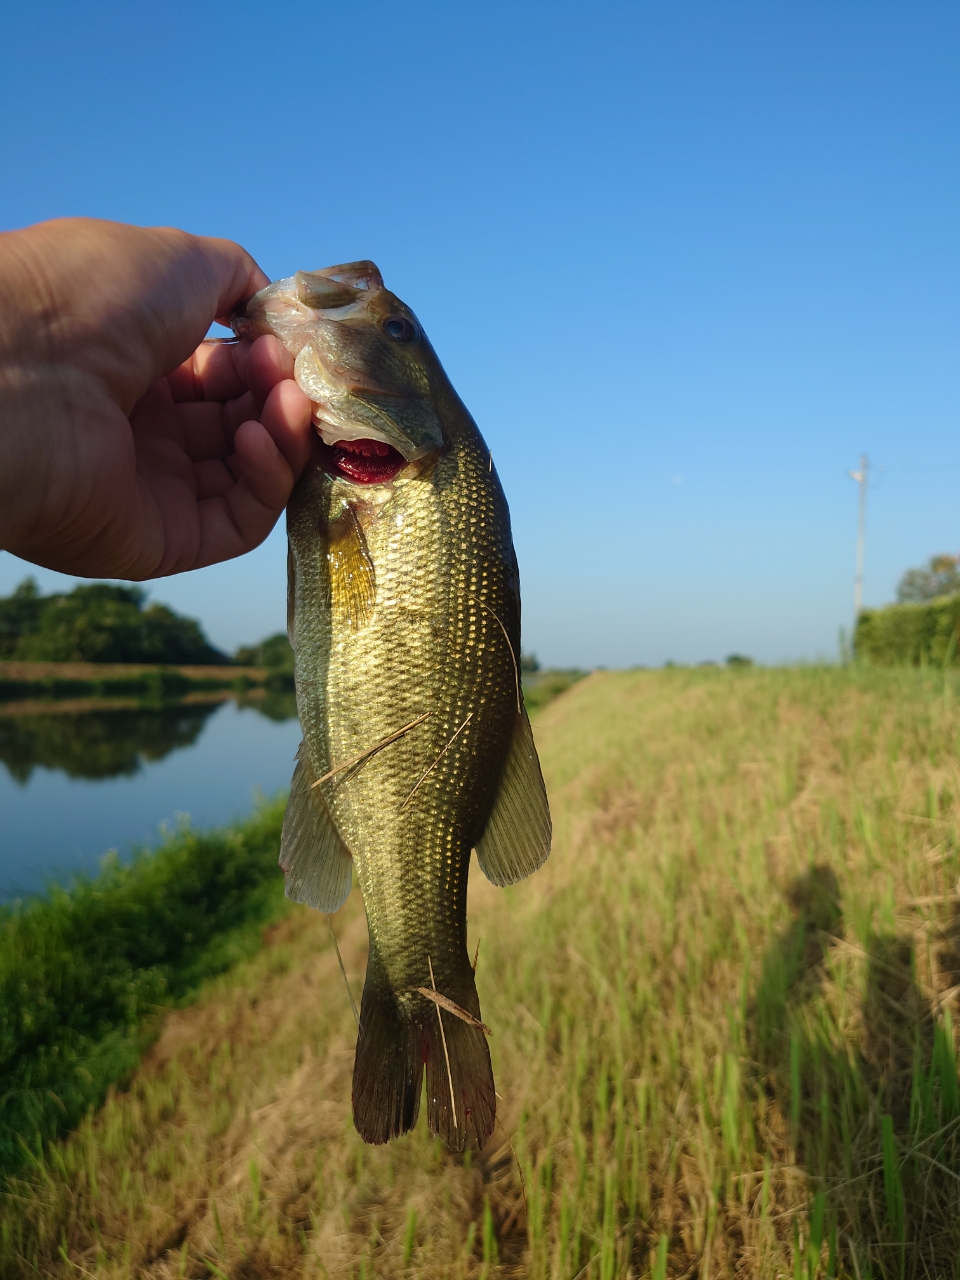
[(352, 581), (315, 860), (516, 839)]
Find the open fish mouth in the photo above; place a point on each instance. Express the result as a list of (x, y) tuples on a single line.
[(361, 461)]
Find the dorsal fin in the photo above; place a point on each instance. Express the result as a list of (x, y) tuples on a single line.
[(516, 839), (352, 581), (315, 860)]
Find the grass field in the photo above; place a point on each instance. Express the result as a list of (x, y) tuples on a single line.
[(721, 1019)]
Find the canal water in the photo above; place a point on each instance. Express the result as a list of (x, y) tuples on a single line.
[(81, 779)]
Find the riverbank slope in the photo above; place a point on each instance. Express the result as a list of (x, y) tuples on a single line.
[(720, 1014)]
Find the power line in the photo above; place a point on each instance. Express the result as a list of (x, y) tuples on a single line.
[(861, 478)]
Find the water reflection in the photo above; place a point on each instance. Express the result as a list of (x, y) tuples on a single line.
[(104, 741), (84, 776), (275, 704), (98, 744)]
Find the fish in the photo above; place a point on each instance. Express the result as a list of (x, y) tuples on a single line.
[(403, 610)]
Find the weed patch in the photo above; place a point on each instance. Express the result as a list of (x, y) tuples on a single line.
[(84, 971)]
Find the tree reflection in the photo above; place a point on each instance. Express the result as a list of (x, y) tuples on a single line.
[(275, 704), (110, 742), (98, 744)]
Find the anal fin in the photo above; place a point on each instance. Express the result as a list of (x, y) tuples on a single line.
[(516, 839), (316, 862)]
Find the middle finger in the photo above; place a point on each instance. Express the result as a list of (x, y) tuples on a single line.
[(208, 428)]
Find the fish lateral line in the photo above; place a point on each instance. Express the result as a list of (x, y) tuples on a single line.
[(444, 1002), (426, 773), (371, 751)]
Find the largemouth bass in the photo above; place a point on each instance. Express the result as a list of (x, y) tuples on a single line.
[(404, 615)]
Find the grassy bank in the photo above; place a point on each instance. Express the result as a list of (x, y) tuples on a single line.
[(85, 973), (721, 1020), (23, 684), (55, 680), (541, 687)]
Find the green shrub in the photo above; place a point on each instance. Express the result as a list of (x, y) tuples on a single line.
[(82, 970), (910, 634), (98, 622), (276, 655), (275, 652), (19, 615)]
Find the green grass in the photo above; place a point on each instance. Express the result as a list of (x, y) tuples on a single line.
[(722, 1028), (541, 687), (84, 971)]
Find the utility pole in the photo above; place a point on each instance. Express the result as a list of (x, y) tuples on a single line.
[(861, 479)]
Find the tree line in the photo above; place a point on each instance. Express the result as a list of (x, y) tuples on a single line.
[(99, 622), (923, 627)]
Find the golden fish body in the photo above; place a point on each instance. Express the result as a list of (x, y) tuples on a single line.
[(405, 620)]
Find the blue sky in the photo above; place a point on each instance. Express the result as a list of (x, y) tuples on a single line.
[(683, 261)]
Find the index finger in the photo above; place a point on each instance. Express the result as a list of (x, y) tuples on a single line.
[(212, 372), (223, 370)]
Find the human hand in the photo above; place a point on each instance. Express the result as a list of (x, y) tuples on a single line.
[(129, 447)]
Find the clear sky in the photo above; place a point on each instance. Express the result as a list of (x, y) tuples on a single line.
[(683, 261)]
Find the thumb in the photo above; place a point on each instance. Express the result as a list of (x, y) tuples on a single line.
[(236, 273)]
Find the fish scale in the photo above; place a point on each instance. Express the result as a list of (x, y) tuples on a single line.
[(429, 647), (405, 621)]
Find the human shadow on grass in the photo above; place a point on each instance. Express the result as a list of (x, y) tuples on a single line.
[(870, 1116)]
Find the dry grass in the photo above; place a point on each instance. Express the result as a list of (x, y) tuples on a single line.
[(36, 672), (720, 1020)]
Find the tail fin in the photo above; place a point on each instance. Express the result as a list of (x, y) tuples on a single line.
[(471, 1105), (388, 1068), (393, 1047)]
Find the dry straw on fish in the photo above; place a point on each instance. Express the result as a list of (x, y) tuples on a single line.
[(370, 752), (430, 768), (443, 1037), (506, 636), (346, 980), (431, 993)]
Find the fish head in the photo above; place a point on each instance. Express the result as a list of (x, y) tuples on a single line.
[(363, 360)]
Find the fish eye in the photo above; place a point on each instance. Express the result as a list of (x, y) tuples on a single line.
[(400, 329)]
